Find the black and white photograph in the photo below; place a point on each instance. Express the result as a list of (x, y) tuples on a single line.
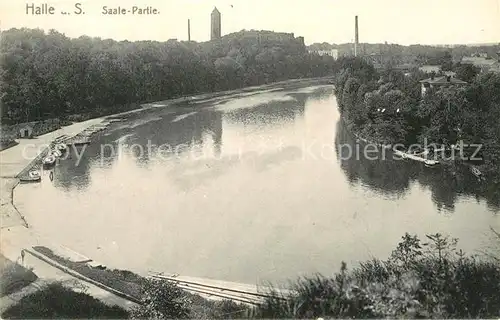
[(236, 159)]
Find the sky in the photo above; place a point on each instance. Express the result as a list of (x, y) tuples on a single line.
[(395, 21)]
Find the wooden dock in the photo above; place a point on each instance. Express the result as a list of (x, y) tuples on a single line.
[(215, 289), (85, 136)]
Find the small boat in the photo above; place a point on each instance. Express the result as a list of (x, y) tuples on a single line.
[(50, 160), (430, 163), (34, 175), (476, 172), (56, 153), (62, 147)]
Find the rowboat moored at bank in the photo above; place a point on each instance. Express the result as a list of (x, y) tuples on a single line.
[(49, 160)]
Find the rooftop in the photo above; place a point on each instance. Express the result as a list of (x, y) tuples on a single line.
[(443, 80)]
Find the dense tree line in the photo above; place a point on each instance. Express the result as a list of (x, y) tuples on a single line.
[(387, 107), (47, 75)]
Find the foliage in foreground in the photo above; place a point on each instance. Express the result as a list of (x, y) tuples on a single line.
[(13, 277), (418, 280), (56, 301), (165, 300), (160, 299), (429, 280)]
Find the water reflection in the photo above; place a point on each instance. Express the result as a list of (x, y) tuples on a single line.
[(393, 178), (72, 171), (273, 113), (387, 178), (274, 211)]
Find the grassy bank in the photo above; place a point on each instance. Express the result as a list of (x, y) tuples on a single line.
[(58, 302), (191, 305), (7, 143), (121, 280), (13, 277)]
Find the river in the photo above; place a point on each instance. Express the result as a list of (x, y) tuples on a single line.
[(249, 189)]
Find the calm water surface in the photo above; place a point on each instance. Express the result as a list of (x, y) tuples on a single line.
[(255, 187)]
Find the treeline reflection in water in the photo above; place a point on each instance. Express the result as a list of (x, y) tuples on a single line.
[(181, 127), (393, 178), (202, 126)]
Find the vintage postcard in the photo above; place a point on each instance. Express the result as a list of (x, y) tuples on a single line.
[(231, 159)]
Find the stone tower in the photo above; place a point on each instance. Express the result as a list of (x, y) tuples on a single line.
[(215, 26)]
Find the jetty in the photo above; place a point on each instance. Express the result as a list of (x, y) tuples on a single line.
[(32, 171), (84, 137), (419, 157), (216, 289)]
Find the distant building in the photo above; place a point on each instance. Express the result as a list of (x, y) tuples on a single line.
[(482, 62), (334, 53), (270, 36), (215, 25), (26, 132), (430, 68), (443, 81)]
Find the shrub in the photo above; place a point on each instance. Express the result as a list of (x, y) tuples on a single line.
[(13, 276), (162, 300), (57, 301), (432, 279)]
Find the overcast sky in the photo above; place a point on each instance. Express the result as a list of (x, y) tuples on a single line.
[(394, 21)]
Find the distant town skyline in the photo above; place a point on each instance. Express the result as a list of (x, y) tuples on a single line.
[(393, 21)]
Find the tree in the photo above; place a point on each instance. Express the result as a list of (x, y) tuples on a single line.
[(467, 72), (162, 300), (47, 75)]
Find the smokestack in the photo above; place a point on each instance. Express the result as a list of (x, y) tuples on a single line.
[(356, 36), (189, 30)]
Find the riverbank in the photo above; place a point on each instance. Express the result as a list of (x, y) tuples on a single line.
[(16, 231), (344, 227), (18, 158), (389, 106)]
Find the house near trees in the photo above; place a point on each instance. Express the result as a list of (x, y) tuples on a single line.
[(436, 82), (430, 68), (26, 131), (484, 63)]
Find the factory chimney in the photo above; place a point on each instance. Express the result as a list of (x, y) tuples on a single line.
[(356, 36), (189, 30)]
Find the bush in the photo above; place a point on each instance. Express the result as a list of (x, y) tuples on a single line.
[(13, 276), (57, 301), (418, 280), (162, 300)]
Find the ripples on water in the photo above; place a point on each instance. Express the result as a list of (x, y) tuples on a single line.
[(254, 189)]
